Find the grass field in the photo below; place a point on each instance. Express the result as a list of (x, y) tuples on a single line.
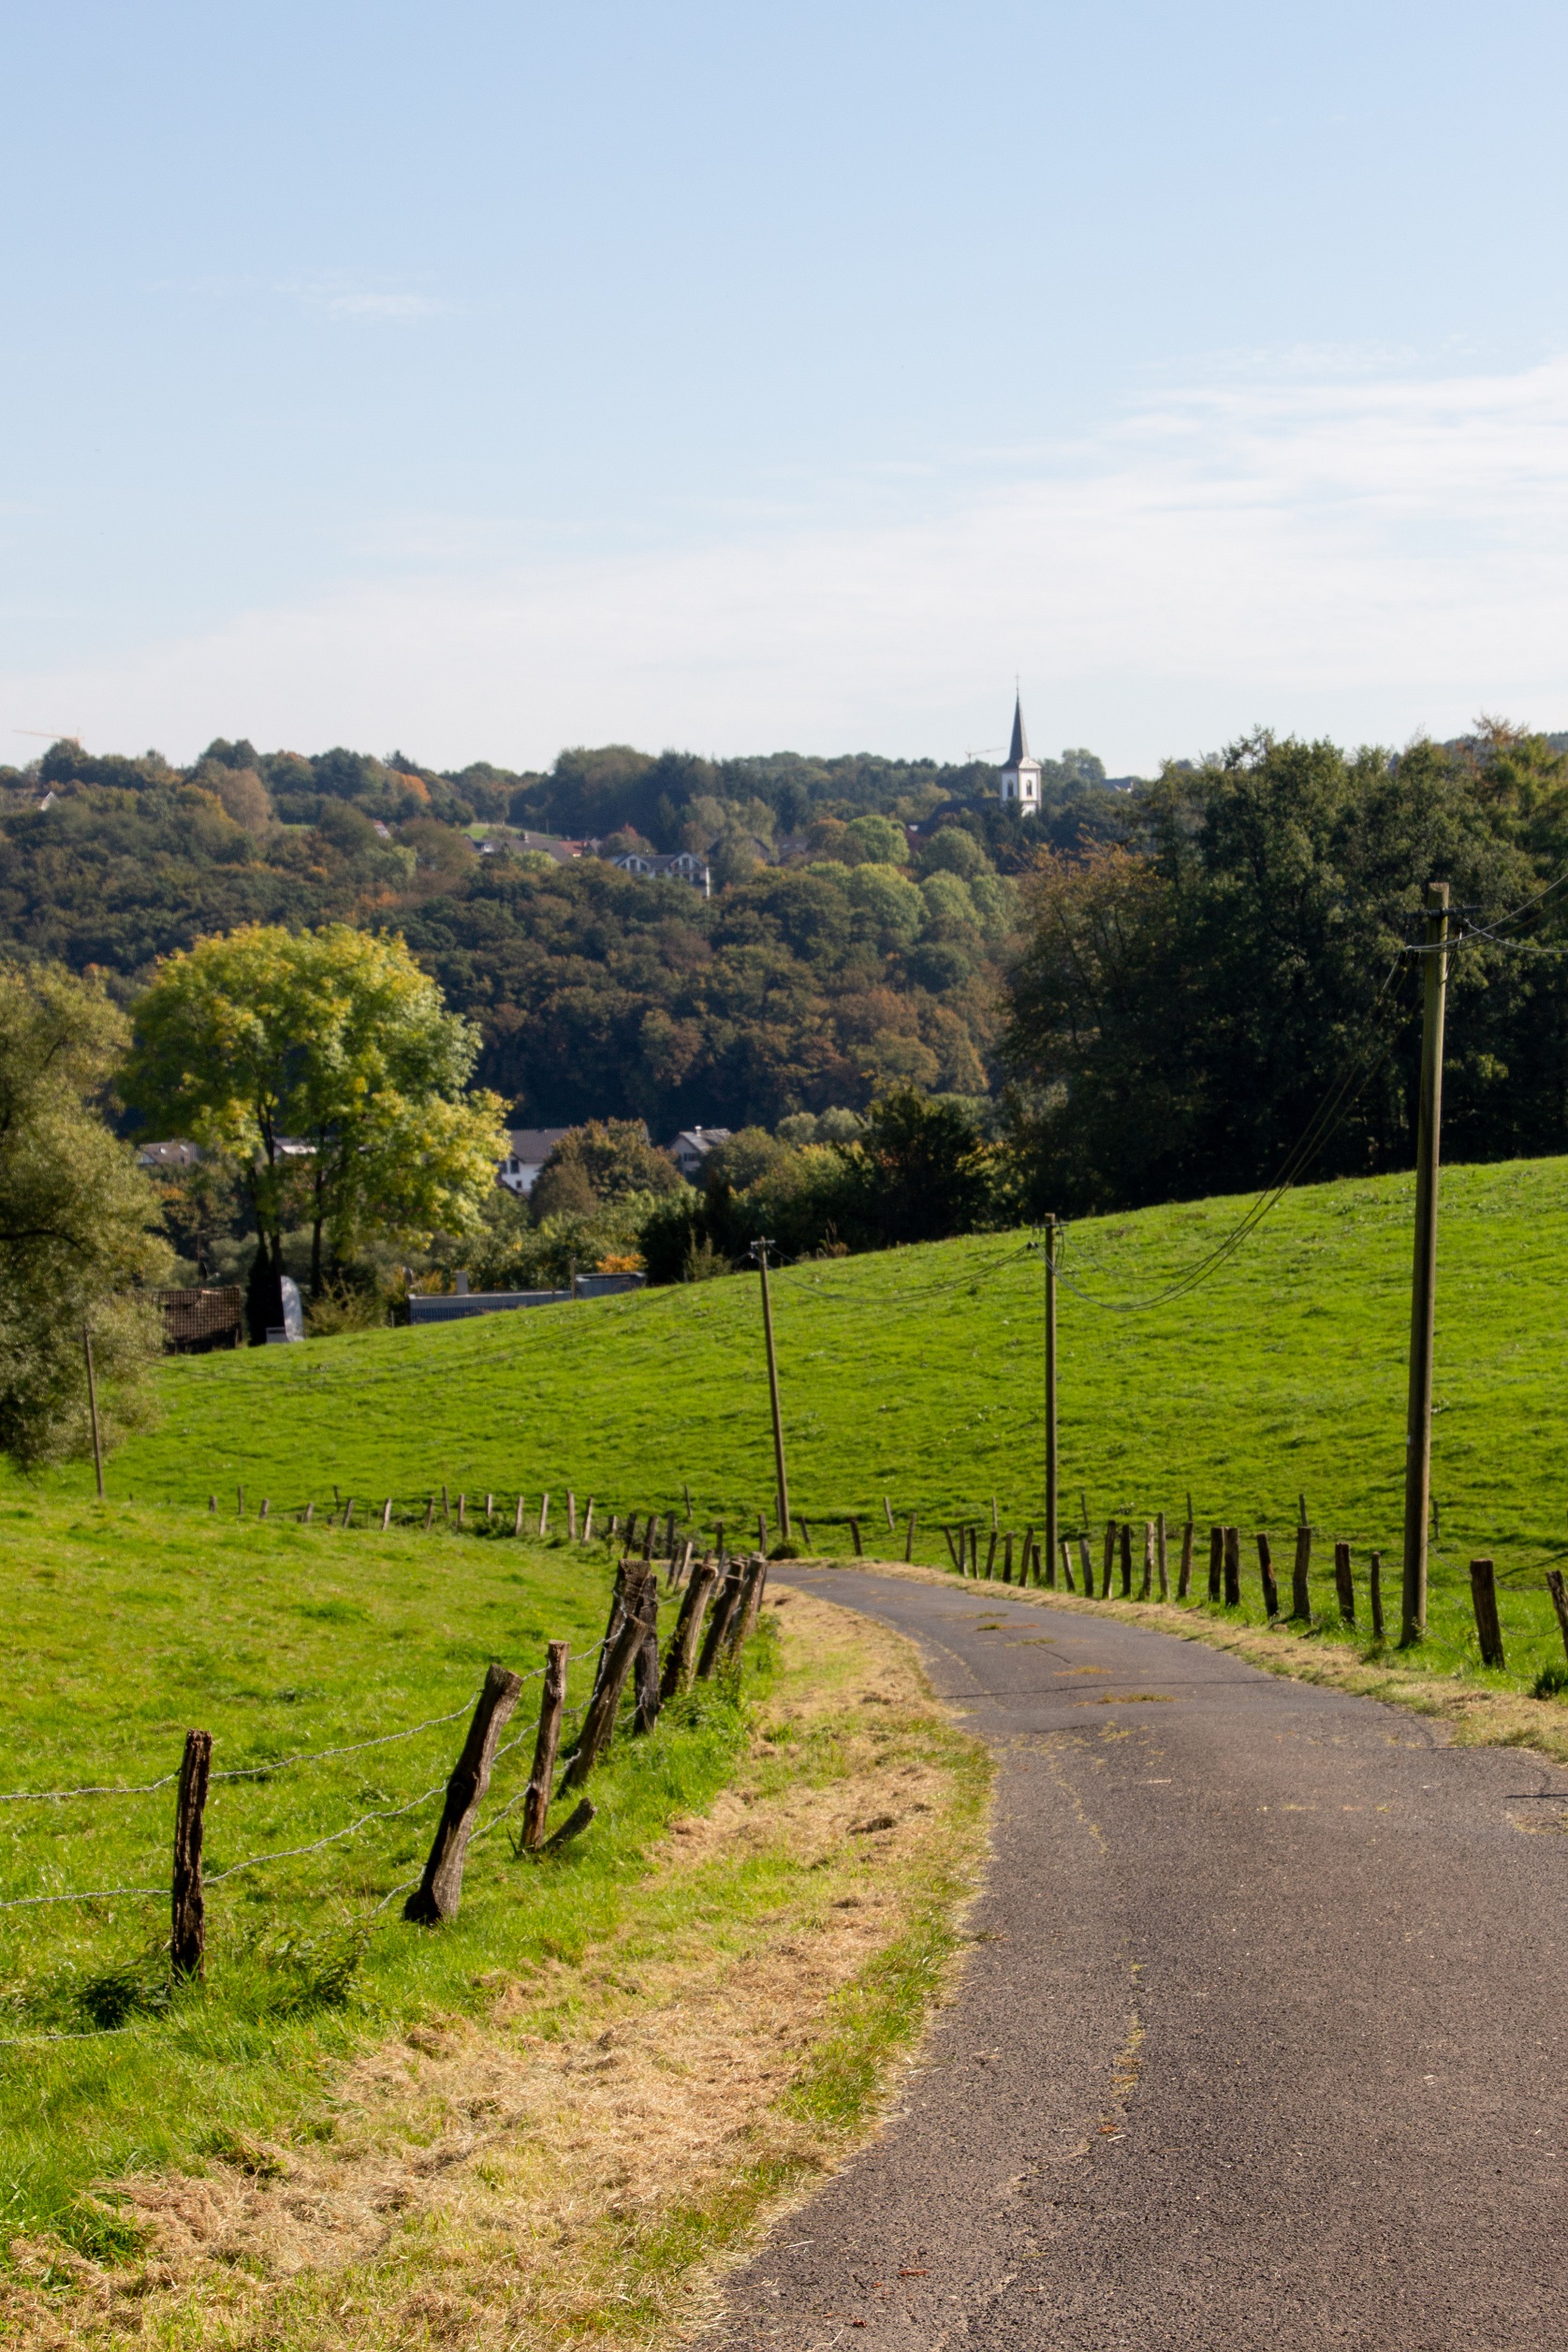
[(916, 1376), (122, 1631), (539, 2123)]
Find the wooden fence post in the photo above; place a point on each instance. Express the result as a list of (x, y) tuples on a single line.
[(310, 1513), (348, 1512), (1109, 1559), (744, 1622), (1233, 1568), (1344, 1585), (1067, 1584), (490, 1508), (648, 1658), (723, 1609), (1164, 1565), (1030, 1556), (952, 1548), (188, 1941), (386, 1514), (1216, 1558), (598, 1721), (1560, 1601), (440, 1891), (516, 1524), (535, 1802), (1147, 1587), (1483, 1592), (887, 1506), (854, 1538), (1300, 1584), (1126, 1560), (571, 1516), (1086, 1566), (544, 1513), (762, 1531), (462, 1510), (429, 1513), (1184, 1573), (1265, 1570), (648, 1534), (909, 1537), (1374, 1589), (680, 1655), (990, 1555), (1007, 1558)]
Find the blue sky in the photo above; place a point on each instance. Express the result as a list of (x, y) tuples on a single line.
[(479, 378)]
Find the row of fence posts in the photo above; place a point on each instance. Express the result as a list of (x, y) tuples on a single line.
[(720, 1600), (1143, 1560)]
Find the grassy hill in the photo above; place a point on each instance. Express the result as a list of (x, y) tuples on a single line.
[(917, 1376)]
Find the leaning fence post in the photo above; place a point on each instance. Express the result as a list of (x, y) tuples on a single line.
[(743, 1624), (386, 1514), (854, 1538), (719, 1618), (188, 1941), (440, 1889), (544, 1513), (909, 1537), (599, 1720), (688, 1624), (648, 1657), (1560, 1601), (1265, 1570), (1483, 1591), (535, 1802)]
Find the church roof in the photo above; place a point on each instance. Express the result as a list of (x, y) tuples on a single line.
[(1019, 749)]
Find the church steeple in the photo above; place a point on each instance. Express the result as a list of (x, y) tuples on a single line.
[(1020, 777)]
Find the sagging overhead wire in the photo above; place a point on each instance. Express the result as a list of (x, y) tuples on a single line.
[(1324, 1124)]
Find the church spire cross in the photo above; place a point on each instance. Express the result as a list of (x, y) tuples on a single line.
[(1020, 777)]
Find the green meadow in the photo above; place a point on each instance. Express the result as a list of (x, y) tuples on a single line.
[(917, 1376), (122, 1628), (915, 1379)]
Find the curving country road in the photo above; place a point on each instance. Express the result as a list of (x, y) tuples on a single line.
[(1263, 2042)]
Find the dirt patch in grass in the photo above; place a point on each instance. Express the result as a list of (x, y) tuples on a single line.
[(577, 2160), (1480, 1717)]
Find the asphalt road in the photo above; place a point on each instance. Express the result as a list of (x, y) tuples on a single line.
[(1262, 2043)]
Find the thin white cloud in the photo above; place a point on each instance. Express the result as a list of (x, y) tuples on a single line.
[(1315, 549), (343, 301)]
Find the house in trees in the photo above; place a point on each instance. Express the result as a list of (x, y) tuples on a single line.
[(530, 1147)]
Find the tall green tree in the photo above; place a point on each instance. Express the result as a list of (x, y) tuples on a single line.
[(77, 1223), (334, 1040)]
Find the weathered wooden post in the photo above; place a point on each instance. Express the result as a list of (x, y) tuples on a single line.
[(1300, 1575), (188, 1941), (1164, 1566), (598, 1721), (719, 1618), (1483, 1592), (1344, 1585), (1184, 1573), (1126, 1560), (909, 1537), (535, 1802), (680, 1656), (1216, 1560), (1560, 1601), (648, 1657), (1374, 1592), (1145, 1586), (1233, 1568), (440, 1891), (1265, 1572), (854, 1538), (1110, 1563)]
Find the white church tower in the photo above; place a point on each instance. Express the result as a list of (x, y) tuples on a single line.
[(1020, 777)]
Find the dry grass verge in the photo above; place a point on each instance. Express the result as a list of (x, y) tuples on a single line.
[(576, 2160), (1480, 1717)]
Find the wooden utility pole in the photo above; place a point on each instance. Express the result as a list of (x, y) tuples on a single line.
[(1423, 1289), (1052, 1466), (93, 1409), (759, 1251)]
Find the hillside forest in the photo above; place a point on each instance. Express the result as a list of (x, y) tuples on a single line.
[(1145, 994)]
